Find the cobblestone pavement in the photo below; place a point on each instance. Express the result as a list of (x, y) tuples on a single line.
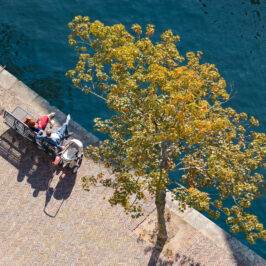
[(46, 218)]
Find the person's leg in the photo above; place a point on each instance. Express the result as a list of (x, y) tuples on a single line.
[(50, 120), (51, 115), (62, 131)]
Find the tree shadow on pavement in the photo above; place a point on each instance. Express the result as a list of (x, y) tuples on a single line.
[(160, 256), (168, 259), (36, 166), (156, 252)]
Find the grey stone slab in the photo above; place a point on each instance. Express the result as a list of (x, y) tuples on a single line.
[(41, 102), (24, 92), (7, 80)]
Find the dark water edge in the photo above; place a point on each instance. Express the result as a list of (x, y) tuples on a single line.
[(33, 46)]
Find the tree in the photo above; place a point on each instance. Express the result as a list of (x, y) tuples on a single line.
[(169, 127)]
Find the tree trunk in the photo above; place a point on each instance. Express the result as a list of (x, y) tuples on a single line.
[(160, 200), (160, 206)]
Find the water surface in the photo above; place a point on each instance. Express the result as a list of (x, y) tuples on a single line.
[(33, 46)]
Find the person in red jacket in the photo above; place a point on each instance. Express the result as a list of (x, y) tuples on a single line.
[(40, 123), (55, 137)]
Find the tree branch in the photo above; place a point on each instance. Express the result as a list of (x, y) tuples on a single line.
[(188, 168), (99, 96)]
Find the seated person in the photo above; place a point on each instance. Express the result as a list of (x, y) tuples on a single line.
[(57, 136), (40, 123)]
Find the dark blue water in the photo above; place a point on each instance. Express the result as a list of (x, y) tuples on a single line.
[(232, 35)]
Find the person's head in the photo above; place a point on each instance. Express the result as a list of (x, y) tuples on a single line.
[(30, 122), (48, 133)]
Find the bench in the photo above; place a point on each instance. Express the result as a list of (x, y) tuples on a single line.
[(15, 120)]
